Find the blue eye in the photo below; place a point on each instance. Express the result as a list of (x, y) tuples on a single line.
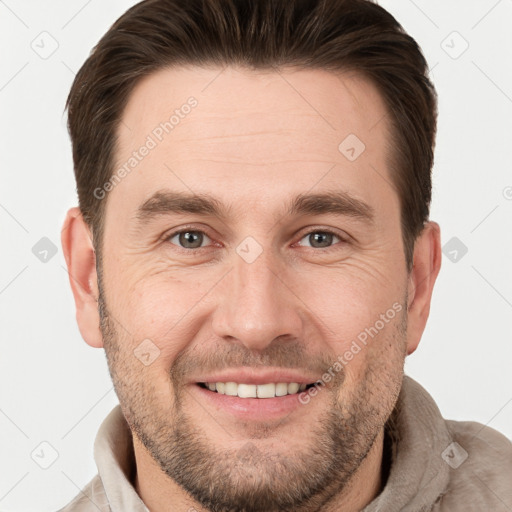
[(189, 239)]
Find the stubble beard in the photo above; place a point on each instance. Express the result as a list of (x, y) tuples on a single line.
[(249, 478)]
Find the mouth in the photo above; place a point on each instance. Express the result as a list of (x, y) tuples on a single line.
[(262, 402), (261, 391), (258, 394)]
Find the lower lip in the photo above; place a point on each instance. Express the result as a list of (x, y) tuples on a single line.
[(254, 409)]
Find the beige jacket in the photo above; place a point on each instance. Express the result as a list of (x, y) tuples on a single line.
[(437, 465)]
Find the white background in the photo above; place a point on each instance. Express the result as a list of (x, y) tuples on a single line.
[(55, 388)]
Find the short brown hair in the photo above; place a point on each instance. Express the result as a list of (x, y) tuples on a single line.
[(335, 35)]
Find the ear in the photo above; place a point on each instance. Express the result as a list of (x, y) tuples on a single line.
[(426, 266), (80, 258)]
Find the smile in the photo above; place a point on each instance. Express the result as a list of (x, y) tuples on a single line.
[(267, 390)]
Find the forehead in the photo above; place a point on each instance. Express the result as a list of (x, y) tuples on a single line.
[(333, 103), (292, 129)]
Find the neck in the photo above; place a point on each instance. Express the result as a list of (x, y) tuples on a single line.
[(157, 490)]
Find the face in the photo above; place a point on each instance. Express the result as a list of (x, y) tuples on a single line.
[(253, 244)]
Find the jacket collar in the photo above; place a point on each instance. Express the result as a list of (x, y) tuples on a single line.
[(418, 474)]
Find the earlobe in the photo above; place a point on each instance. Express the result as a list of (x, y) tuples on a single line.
[(426, 267), (81, 263)]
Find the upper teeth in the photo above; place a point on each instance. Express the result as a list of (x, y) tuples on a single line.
[(269, 390)]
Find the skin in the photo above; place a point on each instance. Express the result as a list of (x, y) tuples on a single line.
[(255, 140)]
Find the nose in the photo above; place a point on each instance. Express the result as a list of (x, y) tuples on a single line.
[(256, 305)]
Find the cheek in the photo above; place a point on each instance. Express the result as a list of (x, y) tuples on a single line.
[(355, 308), (163, 305), (351, 296)]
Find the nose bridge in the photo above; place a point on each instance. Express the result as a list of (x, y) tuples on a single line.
[(256, 306)]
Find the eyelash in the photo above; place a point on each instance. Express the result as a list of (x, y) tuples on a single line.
[(167, 238)]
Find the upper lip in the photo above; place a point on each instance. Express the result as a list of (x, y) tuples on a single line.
[(258, 376)]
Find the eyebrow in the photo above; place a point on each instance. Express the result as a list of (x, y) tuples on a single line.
[(341, 203)]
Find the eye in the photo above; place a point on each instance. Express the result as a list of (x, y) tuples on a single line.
[(196, 239), (320, 239), (188, 239)]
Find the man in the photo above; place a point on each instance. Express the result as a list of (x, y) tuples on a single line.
[(253, 251)]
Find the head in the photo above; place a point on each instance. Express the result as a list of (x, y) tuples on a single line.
[(254, 183)]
